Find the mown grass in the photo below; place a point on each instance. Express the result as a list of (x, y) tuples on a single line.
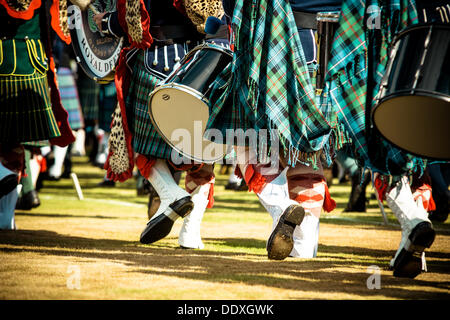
[(99, 237)]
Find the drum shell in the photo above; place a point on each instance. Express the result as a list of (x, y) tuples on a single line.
[(200, 67), (413, 105), (431, 62)]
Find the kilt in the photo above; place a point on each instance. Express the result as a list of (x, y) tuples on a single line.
[(69, 97), (88, 91), (146, 140), (25, 109), (350, 75), (107, 104), (268, 86)]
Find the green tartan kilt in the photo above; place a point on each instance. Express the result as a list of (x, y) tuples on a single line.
[(146, 140), (25, 109)]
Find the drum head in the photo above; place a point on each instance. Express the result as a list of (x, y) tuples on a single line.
[(96, 53), (416, 124), (180, 116)]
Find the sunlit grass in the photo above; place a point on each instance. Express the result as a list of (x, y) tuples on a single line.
[(100, 236)]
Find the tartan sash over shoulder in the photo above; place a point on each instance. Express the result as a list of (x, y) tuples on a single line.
[(270, 86), (358, 61)]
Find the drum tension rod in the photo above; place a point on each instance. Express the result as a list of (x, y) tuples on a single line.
[(155, 58)]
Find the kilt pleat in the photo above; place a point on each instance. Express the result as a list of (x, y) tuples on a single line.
[(146, 139), (69, 97), (107, 105), (88, 91), (25, 109)]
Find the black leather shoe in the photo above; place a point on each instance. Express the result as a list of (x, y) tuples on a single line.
[(160, 226), (107, 183), (8, 184), (28, 201), (231, 186), (281, 241), (408, 263)]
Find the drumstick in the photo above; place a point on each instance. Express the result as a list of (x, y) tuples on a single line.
[(84, 4), (94, 10), (77, 186)]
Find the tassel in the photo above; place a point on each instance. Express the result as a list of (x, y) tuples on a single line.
[(255, 181), (144, 164), (328, 203), (381, 187), (211, 196)]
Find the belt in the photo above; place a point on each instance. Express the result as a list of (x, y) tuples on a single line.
[(305, 20)]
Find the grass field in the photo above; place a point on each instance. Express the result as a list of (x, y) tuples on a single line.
[(89, 249)]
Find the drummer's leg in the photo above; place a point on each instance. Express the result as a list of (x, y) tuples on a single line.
[(417, 230), (271, 187), (175, 202), (11, 165), (200, 184), (309, 188)]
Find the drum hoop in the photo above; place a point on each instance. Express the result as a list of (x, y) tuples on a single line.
[(181, 87), (418, 92), (202, 46), (402, 33), (402, 94), (415, 92), (192, 92)]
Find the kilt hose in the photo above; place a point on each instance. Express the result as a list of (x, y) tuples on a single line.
[(25, 109)]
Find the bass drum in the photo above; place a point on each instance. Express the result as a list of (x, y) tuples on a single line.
[(413, 107), (96, 53)]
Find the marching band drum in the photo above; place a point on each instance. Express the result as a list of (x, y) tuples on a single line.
[(179, 108), (96, 53), (413, 107)]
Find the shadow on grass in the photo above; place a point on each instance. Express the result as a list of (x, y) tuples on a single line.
[(324, 274), (57, 215)]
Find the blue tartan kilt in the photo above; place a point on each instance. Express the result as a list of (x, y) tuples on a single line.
[(107, 104), (69, 97), (146, 140)]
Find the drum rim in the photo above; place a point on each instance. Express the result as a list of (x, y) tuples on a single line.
[(402, 94), (182, 87), (208, 45), (424, 25), (194, 93)]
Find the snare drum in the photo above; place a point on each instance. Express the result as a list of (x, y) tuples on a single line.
[(96, 53), (413, 105), (179, 107)]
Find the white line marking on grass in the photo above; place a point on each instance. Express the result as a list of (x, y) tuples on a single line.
[(106, 201)]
